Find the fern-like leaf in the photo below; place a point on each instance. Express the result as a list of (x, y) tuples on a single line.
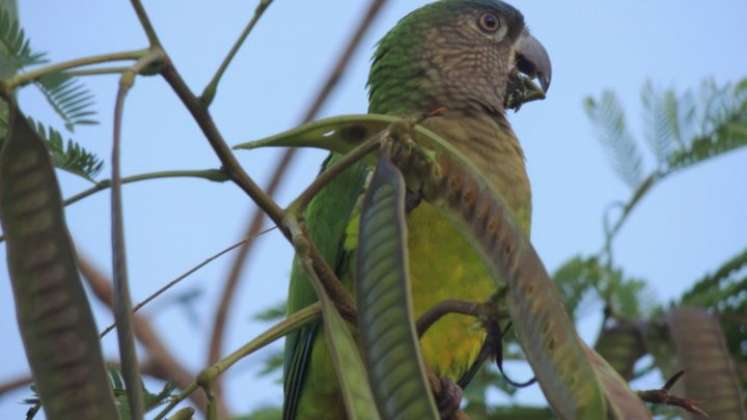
[(71, 100), (723, 126), (15, 46), (668, 120), (67, 96), (720, 288), (608, 118), (69, 156)]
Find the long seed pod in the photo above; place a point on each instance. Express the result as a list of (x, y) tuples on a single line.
[(55, 319), (385, 316), (622, 346), (710, 377)]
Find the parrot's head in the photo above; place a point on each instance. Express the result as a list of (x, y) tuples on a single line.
[(471, 55)]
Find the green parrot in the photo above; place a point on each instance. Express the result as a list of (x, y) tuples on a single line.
[(470, 60)]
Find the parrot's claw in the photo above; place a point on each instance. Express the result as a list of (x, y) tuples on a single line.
[(449, 399)]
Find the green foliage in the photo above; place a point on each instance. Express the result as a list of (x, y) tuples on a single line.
[(608, 118), (272, 313), (272, 364), (68, 156), (151, 400), (722, 288), (15, 46), (67, 96), (664, 119), (721, 126), (575, 279), (581, 275), (681, 130), (72, 101)]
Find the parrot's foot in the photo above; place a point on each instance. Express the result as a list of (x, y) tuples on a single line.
[(449, 399)]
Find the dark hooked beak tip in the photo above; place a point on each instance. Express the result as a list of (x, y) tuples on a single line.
[(533, 60)]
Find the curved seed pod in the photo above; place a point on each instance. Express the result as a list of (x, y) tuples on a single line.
[(710, 375), (343, 350), (386, 327), (338, 134), (359, 399), (621, 346), (576, 385), (659, 345), (57, 327), (622, 403)]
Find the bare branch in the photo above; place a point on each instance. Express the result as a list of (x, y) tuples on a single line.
[(278, 175), (662, 396), (209, 92), (230, 164), (142, 16), (15, 383)]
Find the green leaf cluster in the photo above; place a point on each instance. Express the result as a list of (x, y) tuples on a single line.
[(680, 130), (67, 96)]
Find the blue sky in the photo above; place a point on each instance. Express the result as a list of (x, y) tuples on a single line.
[(687, 226)]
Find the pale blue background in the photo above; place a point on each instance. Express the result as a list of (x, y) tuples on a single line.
[(690, 223)]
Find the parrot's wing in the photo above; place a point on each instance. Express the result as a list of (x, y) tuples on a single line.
[(327, 218)]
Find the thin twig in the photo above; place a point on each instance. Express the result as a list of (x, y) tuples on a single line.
[(281, 170), (209, 92), (662, 396), (142, 16), (230, 164), (163, 359), (209, 375), (452, 306), (15, 383), (189, 272), (101, 71), (122, 299), (28, 77), (635, 199), (214, 175)]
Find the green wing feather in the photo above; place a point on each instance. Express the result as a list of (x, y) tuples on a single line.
[(327, 217)]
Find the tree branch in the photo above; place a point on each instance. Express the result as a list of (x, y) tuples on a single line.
[(230, 164), (482, 311), (15, 383), (209, 92), (662, 396), (214, 175), (28, 77), (142, 16), (278, 175)]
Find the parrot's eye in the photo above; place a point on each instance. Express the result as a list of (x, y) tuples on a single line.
[(489, 23)]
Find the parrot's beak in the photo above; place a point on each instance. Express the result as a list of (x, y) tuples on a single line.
[(532, 63)]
